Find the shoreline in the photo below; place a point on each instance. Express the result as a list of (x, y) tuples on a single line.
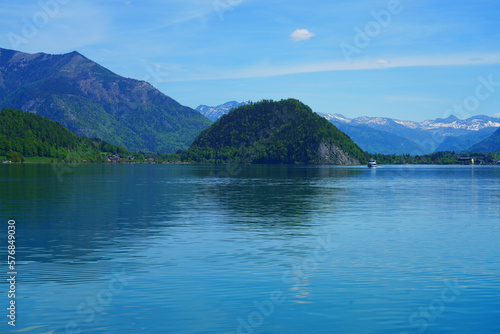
[(225, 164)]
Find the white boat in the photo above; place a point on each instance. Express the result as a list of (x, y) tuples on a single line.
[(372, 163)]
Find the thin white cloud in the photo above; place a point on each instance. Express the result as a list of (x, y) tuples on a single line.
[(266, 70), (496, 115), (301, 35)]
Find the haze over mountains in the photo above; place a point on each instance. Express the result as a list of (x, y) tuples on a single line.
[(92, 101)]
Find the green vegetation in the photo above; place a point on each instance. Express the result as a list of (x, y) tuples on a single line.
[(283, 132), (24, 136), (265, 132)]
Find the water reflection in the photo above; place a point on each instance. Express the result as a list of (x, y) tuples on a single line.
[(95, 206), (205, 242), (271, 195), (72, 219)]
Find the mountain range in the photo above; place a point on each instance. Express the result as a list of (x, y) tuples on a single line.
[(391, 136), (92, 101), (214, 113)]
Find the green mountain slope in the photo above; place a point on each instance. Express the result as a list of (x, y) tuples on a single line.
[(275, 132), (92, 101), (490, 144), (24, 134)]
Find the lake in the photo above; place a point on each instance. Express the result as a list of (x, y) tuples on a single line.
[(252, 249)]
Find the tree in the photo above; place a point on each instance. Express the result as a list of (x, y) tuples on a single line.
[(15, 157)]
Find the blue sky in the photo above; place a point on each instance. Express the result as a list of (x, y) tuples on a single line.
[(406, 59)]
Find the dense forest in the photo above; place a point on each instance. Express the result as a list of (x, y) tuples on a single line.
[(23, 134), (274, 132)]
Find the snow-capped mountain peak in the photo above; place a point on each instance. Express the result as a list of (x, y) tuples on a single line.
[(214, 113)]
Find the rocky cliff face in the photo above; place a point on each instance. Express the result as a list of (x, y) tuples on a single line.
[(334, 155)]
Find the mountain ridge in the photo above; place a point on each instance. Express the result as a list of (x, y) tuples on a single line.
[(93, 101), (490, 144), (471, 123)]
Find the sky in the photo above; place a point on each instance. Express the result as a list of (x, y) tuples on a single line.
[(404, 59)]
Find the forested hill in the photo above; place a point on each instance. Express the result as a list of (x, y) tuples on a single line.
[(274, 132), (23, 134)]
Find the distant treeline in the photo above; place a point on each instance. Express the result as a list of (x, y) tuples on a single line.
[(437, 158)]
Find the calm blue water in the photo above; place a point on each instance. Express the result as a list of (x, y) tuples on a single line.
[(253, 249)]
